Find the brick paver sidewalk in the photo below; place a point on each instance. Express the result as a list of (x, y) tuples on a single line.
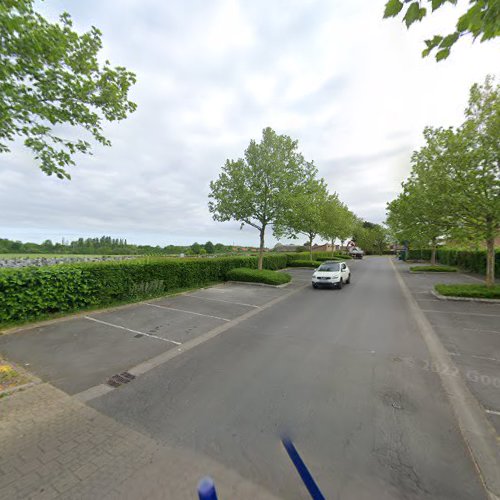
[(53, 446)]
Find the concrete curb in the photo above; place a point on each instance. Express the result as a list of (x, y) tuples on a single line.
[(464, 299), (19, 387), (432, 272), (255, 283)]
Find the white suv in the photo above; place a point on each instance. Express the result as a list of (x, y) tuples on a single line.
[(331, 274)]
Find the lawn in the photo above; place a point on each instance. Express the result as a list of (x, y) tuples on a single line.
[(433, 269), (473, 291)]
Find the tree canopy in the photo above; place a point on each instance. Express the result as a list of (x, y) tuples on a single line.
[(481, 21), (52, 86), (454, 187), (258, 189)]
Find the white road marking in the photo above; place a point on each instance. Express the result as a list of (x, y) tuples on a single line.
[(220, 300), (481, 330), (132, 331), (459, 312), (483, 357), (492, 412), (184, 311)]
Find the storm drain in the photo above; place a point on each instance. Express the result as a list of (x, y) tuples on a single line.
[(120, 379)]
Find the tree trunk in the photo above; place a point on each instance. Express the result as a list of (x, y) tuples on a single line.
[(261, 248), (333, 242), (433, 253), (310, 248), (490, 261)]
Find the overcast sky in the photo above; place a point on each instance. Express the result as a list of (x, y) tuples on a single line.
[(351, 87)]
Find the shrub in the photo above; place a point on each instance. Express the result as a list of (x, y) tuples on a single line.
[(304, 263), (255, 276), (433, 269), (318, 256), (32, 292), (469, 260), (474, 291)]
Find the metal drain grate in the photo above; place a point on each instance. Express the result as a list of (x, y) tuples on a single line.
[(120, 379)]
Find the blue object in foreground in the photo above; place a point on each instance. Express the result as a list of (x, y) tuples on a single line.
[(302, 469), (206, 489)]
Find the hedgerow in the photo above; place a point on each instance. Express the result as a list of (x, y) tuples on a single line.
[(255, 276), (31, 292), (469, 260), (304, 263), (318, 256)]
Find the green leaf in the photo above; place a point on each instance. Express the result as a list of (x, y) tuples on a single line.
[(449, 40), (392, 8), (464, 22), (438, 3), (414, 13), (442, 54)]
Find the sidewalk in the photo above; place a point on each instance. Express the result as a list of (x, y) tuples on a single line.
[(56, 447)]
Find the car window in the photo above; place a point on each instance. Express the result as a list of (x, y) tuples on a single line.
[(329, 267)]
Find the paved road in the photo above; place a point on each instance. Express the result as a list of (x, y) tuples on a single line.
[(343, 372), (223, 372)]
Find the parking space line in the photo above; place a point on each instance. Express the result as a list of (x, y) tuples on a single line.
[(460, 312), (483, 357), (131, 331), (492, 412), (220, 300), (184, 311)]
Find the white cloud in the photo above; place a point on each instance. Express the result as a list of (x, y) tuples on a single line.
[(350, 86)]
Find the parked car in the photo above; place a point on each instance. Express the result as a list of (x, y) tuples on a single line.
[(331, 274), (356, 253)]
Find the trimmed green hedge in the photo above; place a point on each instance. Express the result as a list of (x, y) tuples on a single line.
[(255, 276), (474, 291), (469, 260), (32, 292), (304, 263), (318, 256), (433, 269)]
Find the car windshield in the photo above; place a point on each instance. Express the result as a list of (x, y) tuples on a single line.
[(329, 267)]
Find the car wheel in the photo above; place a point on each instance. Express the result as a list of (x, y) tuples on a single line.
[(348, 280), (314, 285), (341, 284)]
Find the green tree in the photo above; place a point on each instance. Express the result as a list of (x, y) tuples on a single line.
[(472, 165), (481, 20), (257, 190), (51, 77), (454, 188), (337, 220), (421, 213), (209, 247), (305, 212), (196, 248)]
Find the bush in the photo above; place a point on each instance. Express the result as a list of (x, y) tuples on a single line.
[(33, 292), (474, 291), (469, 260), (433, 269), (304, 263), (318, 256), (255, 276), (422, 254)]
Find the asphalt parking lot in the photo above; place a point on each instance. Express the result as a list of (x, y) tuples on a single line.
[(78, 353), (470, 331)]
